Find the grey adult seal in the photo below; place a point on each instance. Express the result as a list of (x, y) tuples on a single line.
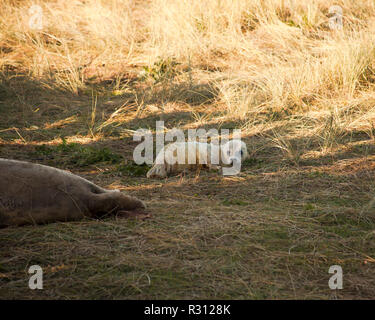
[(36, 194)]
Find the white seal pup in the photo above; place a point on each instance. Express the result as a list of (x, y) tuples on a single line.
[(180, 156)]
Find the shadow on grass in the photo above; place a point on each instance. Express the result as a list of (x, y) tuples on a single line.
[(40, 110)]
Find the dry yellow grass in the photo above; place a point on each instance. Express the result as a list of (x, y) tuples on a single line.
[(261, 56)]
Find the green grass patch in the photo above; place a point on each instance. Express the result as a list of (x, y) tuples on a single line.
[(132, 169), (237, 202), (78, 154)]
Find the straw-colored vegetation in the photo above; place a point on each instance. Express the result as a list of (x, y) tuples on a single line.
[(73, 92)]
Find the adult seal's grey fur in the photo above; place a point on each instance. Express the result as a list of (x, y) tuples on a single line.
[(36, 194)]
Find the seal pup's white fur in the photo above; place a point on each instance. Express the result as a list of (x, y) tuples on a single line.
[(167, 162), (32, 194)]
